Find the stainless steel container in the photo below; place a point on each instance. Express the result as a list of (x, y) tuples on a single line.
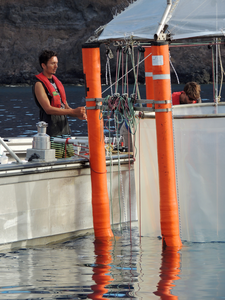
[(41, 140)]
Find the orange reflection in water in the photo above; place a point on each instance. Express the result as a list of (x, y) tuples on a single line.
[(169, 271), (101, 269)]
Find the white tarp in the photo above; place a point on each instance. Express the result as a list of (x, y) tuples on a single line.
[(198, 18), (139, 20), (187, 19), (200, 162)]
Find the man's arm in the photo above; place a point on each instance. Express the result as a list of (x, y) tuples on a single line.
[(42, 98)]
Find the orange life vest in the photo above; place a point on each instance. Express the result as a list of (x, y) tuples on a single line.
[(55, 97), (176, 98)]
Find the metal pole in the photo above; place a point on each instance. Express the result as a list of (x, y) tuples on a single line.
[(10, 151)]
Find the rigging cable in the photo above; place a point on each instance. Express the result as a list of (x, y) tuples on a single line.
[(140, 179), (178, 81), (222, 73), (123, 75), (119, 172), (109, 55), (213, 75), (111, 166), (217, 71), (121, 107), (119, 53)]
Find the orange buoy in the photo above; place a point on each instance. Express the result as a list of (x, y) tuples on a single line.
[(100, 199), (149, 75), (169, 216)]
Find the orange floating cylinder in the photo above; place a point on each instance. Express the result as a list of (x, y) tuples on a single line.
[(100, 199), (169, 216), (149, 85)]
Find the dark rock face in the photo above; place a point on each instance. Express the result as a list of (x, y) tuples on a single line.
[(27, 27), (194, 62)]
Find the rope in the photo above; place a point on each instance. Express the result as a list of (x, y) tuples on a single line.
[(121, 109), (222, 72), (66, 143), (217, 72), (137, 87), (77, 145), (111, 166), (123, 197), (140, 179), (126, 85), (178, 81), (118, 175), (194, 44), (108, 70), (82, 156), (213, 75), (119, 54), (135, 75), (123, 75)]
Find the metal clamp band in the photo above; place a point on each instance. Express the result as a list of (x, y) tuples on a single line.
[(94, 99), (163, 110), (94, 107), (143, 108), (144, 101), (163, 101)]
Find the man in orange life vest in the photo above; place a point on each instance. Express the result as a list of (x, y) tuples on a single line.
[(50, 97), (190, 94)]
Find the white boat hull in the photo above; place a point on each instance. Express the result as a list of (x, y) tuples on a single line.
[(52, 201)]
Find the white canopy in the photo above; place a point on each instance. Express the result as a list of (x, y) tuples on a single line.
[(186, 19)]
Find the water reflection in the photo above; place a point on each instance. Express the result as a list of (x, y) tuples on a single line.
[(101, 269), (119, 269), (169, 270), (133, 279)]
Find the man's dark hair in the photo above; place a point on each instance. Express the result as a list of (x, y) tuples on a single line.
[(192, 90), (45, 56)]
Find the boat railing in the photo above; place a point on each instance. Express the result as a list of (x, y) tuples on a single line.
[(190, 111), (10, 151)]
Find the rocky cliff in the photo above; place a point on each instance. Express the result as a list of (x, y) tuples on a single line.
[(27, 27)]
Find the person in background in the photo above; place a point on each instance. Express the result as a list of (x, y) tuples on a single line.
[(50, 97), (190, 94)]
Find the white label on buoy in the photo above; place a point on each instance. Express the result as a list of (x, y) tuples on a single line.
[(157, 60)]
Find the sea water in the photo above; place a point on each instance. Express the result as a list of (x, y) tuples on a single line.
[(19, 113), (126, 267)]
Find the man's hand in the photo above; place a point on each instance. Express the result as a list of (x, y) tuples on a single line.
[(79, 113)]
